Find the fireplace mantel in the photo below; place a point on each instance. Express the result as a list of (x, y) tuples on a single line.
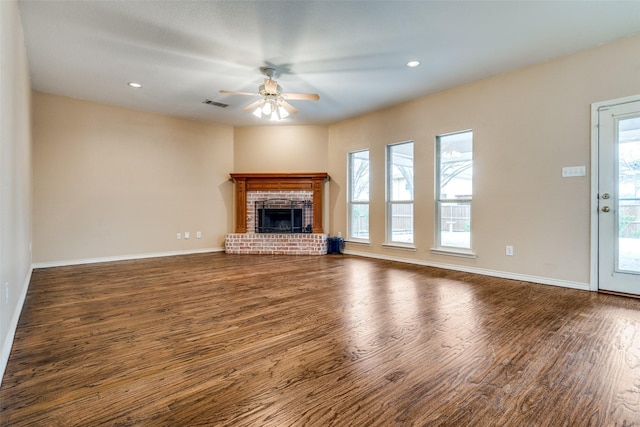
[(278, 182)]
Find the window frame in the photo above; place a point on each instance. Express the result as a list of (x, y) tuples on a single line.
[(390, 203), (439, 247), (351, 202)]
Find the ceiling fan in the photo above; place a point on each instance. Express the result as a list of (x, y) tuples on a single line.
[(273, 102)]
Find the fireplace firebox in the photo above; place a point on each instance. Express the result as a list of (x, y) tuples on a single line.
[(283, 216)]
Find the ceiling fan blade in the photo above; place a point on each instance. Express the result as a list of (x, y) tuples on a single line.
[(290, 108), (253, 105), (234, 92), (302, 96)]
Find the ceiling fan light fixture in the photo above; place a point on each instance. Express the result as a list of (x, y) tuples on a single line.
[(282, 112), (267, 108), (272, 104)]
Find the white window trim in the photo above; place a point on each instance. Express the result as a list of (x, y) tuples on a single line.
[(399, 245), (358, 242), (461, 253), (449, 250), (350, 203), (388, 220)]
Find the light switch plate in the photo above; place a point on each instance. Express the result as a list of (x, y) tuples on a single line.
[(569, 171)]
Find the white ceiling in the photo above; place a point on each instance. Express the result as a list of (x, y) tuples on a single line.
[(352, 53)]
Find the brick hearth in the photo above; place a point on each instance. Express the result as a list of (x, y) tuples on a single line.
[(276, 244)]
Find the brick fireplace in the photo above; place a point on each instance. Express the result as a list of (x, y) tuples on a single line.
[(305, 189)]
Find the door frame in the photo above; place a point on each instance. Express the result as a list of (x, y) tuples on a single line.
[(595, 157)]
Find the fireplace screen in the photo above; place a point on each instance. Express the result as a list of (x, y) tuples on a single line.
[(283, 216)]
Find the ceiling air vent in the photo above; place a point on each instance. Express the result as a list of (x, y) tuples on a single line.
[(215, 103)]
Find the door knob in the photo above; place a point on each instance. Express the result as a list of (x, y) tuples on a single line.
[(605, 209)]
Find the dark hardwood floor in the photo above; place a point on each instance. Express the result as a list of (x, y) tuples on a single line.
[(248, 340)]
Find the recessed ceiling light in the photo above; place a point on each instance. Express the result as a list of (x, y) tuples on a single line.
[(413, 64), (134, 84)]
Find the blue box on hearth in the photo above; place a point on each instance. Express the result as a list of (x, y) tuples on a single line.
[(335, 245)]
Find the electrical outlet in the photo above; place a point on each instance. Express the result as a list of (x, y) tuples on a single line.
[(186, 234), (178, 236), (198, 234), (509, 250)]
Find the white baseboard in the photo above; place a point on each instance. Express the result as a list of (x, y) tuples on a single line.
[(482, 271), (123, 257), (13, 326)]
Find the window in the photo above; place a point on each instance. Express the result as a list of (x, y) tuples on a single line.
[(454, 190), (400, 193), (358, 217)]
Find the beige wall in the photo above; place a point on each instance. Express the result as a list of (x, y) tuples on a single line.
[(15, 174), (285, 149), (112, 182), (281, 149), (527, 125)]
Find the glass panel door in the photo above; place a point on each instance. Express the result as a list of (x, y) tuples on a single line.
[(628, 200), (619, 198)]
